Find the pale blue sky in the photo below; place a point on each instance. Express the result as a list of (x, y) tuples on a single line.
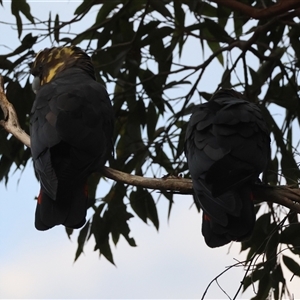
[(173, 263)]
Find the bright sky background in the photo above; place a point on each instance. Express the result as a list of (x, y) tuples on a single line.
[(173, 263)]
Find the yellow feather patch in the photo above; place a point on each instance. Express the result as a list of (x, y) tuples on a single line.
[(49, 62), (52, 72)]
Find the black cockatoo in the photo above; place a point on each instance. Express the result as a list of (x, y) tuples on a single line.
[(71, 128), (227, 146)]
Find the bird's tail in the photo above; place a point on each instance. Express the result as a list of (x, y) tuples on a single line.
[(69, 208), (238, 226)]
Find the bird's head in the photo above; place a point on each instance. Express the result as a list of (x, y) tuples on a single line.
[(51, 61)]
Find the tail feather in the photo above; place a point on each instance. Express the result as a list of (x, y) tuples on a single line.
[(69, 209), (217, 208), (238, 228)]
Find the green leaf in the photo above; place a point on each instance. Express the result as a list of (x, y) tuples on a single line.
[(223, 14), (141, 111), (158, 33), (153, 87), (157, 50), (294, 40), (81, 239), (161, 158), (138, 204), (179, 15), (152, 118), (256, 275), (290, 235), (217, 31), (272, 176), (144, 206), (86, 35), (181, 140), (273, 242), (106, 8), (5, 64), (56, 28), (116, 64), (277, 275), (105, 250), (92, 185), (152, 211), (215, 47), (256, 81), (291, 265), (84, 7), (26, 44), (69, 231), (266, 68), (204, 9), (264, 286), (22, 6), (169, 196), (100, 229), (277, 34), (116, 217), (15, 12), (160, 7), (289, 167), (259, 237), (239, 21)]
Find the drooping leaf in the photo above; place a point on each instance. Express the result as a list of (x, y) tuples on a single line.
[(259, 237), (5, 64), (144, 206), (84, 7), (82, 239), (56, 28), (291, 265), (106, 8), (264, 286), (217, 31), (100, 229), (290, 235), (160, 7), (22, 6), (152, 118), (69, 231)]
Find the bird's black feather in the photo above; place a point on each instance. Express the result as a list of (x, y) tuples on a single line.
[(227, 146), (71, 127)]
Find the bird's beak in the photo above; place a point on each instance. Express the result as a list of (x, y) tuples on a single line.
[(36, 83)]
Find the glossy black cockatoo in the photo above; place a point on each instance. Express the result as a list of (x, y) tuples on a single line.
[(227, 146), (71, 129)]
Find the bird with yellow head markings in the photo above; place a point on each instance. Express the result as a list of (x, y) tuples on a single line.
[(71, 128)]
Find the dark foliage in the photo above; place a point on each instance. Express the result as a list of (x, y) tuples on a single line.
[(136, 46)]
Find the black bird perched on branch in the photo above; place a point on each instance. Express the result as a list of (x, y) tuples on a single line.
[(227, 146), (71, 128)]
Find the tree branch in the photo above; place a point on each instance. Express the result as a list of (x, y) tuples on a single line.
[(10, 122), (167, 183), (283, 195), (260, 13)]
